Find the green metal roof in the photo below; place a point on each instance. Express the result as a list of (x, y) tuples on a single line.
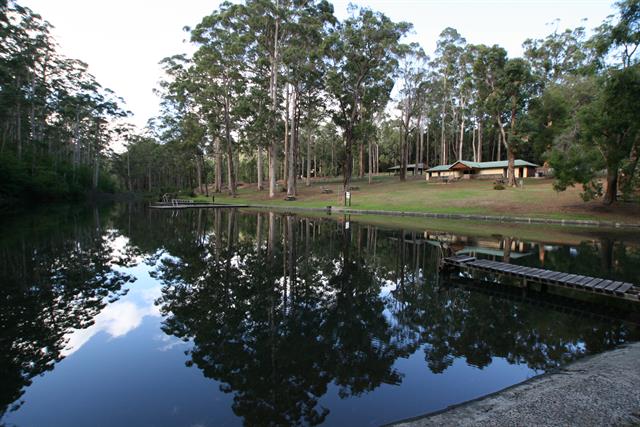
[(483, 165)]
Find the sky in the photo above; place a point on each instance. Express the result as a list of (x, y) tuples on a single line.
[(123, 40)]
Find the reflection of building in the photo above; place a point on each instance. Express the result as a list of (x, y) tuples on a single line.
[(501, 248), (467, 169), (474, 246), (494, 253)]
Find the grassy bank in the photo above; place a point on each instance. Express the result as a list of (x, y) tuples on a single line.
[(535, 199)]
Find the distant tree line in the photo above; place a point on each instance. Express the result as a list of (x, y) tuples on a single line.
[(281, 90), (56, 121)]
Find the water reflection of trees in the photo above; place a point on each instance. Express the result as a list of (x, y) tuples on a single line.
[(57, 274), (277, 321), (278, 307)]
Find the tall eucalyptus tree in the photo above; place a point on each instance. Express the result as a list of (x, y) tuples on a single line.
[(362, 60), (412, 74), (220, 60)]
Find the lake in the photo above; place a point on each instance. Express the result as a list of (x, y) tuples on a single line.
[(126, 316)]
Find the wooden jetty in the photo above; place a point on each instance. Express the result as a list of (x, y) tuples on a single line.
[(191, 204), (559, 303), (527, 275)]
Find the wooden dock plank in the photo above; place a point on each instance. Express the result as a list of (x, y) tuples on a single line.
[(623, 288), (518, 271), (481, 263), (567, 279), (510, 268), (546, 275), (600, 286), (556, 278), (612, 287), (560, 277), (585, 282), (594, 282), (536, 272), (576, 280)]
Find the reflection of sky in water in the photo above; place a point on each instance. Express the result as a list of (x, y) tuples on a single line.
[(121, 317), (124, 370)]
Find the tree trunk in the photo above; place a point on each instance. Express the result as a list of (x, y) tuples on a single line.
[(230, 172), (218, 166), (443, 142), (628, 172), (285, 167), (204, 175), (421, 142), (332, 167), (461, 139), (19, 120), (128, 173), (479, 140), (308, 180), (291, 188), (230, 169), (511, 177), (361, 160), (370, 158), (417, 151), (404, 130), (473, 143), (426, 164), (96, 171), (273, 85), (199, 174), (511, 156), (259, 166), (506, 251), (348, 158), (611, 192)]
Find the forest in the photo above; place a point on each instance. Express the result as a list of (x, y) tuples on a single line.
[(57, 122), (280, 92)]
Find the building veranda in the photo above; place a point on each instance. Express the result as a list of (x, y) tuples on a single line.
[(464, 169)]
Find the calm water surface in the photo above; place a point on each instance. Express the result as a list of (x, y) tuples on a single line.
[(130, 317)]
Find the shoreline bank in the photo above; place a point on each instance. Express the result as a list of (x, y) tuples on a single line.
[(468, 217), (597, 390)]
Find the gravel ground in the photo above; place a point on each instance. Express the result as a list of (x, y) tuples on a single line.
[(601, 390)]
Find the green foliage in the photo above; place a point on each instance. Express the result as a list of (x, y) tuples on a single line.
[(363, 57), (568, 100), (601, 133), (49, 181), (56, 121), (577, 165)]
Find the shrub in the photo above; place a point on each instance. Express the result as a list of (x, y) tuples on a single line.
[(498, 187)]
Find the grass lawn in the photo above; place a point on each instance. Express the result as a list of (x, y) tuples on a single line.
[(535, 199)]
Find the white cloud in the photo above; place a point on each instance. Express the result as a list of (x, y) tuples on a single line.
[(116, 319)]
